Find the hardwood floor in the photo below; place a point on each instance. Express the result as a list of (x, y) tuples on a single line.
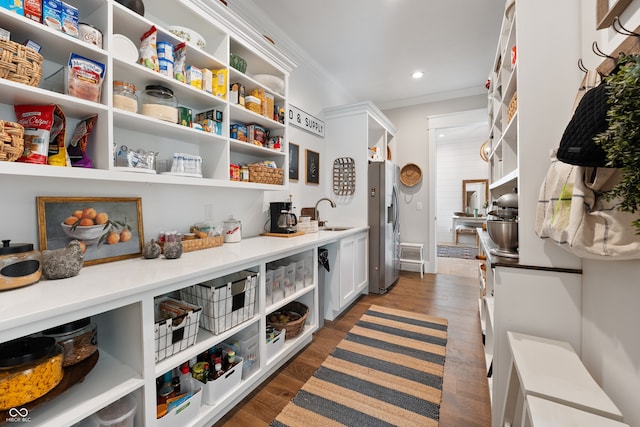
[(465, 398)]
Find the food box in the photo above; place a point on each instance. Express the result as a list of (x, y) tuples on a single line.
[(216, 390), (257, 135), (274, 345), (194, 76), (215, 115), (227, 301), (238, 131), (175, 334), (13, 5), (220, 83), (211, 126), (236, 94), (185, 116), (52, 14), (207, 80), (69, 19), (185, 412), (32, 9), (268, 105)]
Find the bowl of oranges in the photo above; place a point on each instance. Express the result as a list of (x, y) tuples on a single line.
[(87, 225)]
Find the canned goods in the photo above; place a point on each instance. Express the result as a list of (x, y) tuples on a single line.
[(90, 34), (165, 67)]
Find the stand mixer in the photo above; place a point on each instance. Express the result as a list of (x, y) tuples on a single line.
[(502, 226)]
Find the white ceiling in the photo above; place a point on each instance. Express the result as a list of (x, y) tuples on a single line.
[(371, 47)]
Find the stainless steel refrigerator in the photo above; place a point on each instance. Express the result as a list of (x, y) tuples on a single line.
[(384, 231)]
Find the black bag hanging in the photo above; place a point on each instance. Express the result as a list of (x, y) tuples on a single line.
[(577, 146)]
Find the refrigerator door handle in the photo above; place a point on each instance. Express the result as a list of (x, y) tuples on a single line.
[(396, 211)]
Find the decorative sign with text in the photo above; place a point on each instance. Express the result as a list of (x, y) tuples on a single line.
[(305, 121)]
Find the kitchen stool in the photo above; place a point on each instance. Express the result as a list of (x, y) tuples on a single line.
[(545, 413), (551, 370), (414, 247), (465, 229)]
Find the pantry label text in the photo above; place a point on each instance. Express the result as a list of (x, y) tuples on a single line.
[(305, 121)]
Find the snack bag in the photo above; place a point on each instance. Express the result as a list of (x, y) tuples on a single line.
[(179, 62), (57, 155), (37, 121), (148, 52), (85, 77), (79, 142)]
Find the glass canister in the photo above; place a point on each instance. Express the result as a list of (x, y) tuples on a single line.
[(124, 96), (30, 367), (232, 230), (79, 339), (159, 102)]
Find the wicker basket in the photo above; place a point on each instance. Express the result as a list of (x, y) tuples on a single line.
[(266, 175), (19, 63), (11, 141), (410, 174), (197, 244), (296, 326), (513, 107)]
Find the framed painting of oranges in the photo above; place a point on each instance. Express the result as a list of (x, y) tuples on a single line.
[(108, 228)]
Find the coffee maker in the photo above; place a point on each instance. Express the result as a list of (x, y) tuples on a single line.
[(283, 220)]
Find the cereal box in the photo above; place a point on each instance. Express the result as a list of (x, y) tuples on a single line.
[(194, 76), (13, 5)]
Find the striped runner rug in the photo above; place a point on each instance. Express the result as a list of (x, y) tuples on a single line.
[(387, 371)]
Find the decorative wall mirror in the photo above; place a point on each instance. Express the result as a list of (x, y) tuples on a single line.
[(475, 194)]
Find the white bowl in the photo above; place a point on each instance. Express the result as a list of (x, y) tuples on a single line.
[(124, 48), (85, 232), (187, 34), (272, 82)]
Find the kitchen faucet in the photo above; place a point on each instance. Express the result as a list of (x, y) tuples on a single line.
[(315, 210)]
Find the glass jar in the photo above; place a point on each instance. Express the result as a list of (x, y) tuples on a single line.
[(124, 96), (160, 103), (30, 367), (79, 339), (232, 230)]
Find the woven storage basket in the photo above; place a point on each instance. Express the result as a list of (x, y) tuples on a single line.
[(11, 141), (410, 174), (197, 244), (513, 107), (19, 63), (294, 327), (265, 175)]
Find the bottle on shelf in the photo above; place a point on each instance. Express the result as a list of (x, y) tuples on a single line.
[(166, 390)]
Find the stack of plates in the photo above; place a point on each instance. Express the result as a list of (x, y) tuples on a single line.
[(308, 226)]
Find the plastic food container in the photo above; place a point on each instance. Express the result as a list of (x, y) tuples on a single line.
[(78, 339), (159, 102), (30, 367), (120, 413)]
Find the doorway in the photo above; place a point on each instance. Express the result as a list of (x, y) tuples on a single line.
[(454, 157)]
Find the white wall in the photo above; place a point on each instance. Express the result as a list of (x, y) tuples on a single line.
[(411, 144), (457, 160), (610, 341)]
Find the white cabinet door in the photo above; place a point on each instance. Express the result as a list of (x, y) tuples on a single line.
[(361, 262), (347, 270)]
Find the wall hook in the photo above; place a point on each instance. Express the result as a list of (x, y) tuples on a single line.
[(600, 53), (618, 28)]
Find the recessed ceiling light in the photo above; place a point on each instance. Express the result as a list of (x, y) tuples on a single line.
[(417, 74)]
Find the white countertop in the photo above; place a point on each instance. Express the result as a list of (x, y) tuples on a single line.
[(123, 282)]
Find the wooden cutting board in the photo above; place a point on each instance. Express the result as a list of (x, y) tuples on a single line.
[(296, 234)]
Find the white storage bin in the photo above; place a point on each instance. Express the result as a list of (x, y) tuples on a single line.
[(276, 344), (216, 390), (184, 413), (268, 285), (308, 270), (299, 275), (247, 347), (226, 301), (278, 284), (289, 278)]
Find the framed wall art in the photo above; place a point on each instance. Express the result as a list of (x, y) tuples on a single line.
[(109, 228), (313, 167), (294, 162), (607, 10)]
